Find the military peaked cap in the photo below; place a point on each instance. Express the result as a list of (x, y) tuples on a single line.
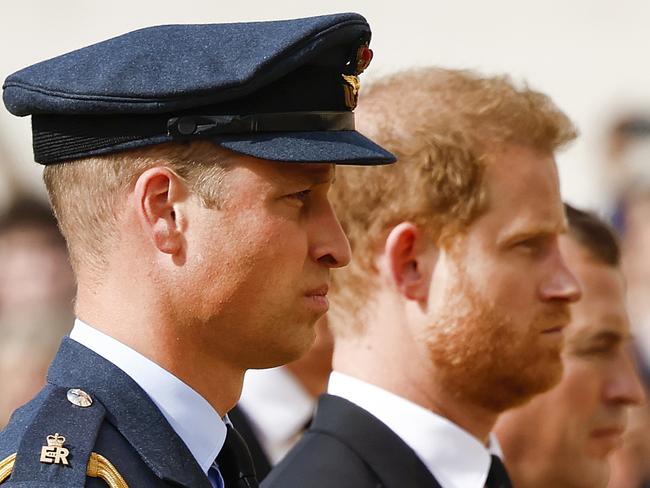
[(281, 90)]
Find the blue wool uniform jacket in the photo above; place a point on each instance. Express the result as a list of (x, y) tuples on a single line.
[(122, 425), (347, 447)]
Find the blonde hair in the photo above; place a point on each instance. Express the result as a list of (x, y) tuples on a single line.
[(442, 125), (86, 193)]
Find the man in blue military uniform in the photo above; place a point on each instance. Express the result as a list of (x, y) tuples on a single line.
[(188, 167)]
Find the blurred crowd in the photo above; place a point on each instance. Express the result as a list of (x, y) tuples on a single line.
[(37, 291)]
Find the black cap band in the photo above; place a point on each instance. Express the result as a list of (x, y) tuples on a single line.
[(59, 138), (204, 125)]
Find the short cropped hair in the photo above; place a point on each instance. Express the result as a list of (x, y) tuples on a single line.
[(595, 235), (86, 193), (442, 125)]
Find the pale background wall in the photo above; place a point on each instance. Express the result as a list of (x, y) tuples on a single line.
[(591, 56)]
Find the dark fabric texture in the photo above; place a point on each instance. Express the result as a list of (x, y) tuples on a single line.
[(174, 67), (78, 425), (498, 476), (235, 462), (132, 433), (121, 93), (347, 447), (260, 459)]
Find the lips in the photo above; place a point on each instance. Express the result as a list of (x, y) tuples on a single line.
[(320, 291), (607, 439), (317, 299), (606, 432), (554, 330)]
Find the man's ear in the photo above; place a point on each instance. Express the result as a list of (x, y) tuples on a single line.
[(158, 193), (410, 258)]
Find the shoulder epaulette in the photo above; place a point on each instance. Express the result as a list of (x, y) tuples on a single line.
[(56, 448)]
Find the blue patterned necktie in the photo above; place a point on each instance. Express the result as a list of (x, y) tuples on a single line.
[(215, 476)]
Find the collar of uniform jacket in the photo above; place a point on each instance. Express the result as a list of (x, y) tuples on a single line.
[(130, 410), (189, 414)]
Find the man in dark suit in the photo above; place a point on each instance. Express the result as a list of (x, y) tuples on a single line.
[(565, 437), (188, 167), (453, 307)]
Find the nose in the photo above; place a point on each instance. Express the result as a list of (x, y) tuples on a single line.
[(328, 244), (624, 386), (562, 284)]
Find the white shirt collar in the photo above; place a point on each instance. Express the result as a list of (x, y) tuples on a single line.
[(454, 457), (278, 407), (189, 414)]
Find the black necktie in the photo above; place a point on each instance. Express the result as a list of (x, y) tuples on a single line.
[(235, 463), (498, 476)]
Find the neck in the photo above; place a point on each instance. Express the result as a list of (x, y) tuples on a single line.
[(312, 372), (149, 331), (405, 370)]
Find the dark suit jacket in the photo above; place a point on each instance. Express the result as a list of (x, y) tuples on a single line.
[(122, 424), (346, 447), (243, 425)]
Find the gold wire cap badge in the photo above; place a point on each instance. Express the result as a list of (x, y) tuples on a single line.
[(351, 83), (54, 452)]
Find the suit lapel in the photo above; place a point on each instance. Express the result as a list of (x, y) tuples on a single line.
[(394, 462), (130, 410), (242, 423)]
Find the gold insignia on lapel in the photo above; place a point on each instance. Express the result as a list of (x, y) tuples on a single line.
[(351, 85), (54, 452)]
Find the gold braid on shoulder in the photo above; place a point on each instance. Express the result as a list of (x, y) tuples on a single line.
[(98, 467)]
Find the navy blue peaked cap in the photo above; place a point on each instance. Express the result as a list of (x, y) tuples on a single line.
[(280, 90)]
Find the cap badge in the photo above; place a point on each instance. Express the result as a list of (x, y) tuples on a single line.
[(54, 452), (351, 85)]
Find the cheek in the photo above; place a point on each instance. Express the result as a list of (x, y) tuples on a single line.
[(580, 385), (503, 281), (270, 250), (578, 397)]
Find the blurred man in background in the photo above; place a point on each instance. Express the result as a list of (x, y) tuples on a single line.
[(452, 308), (34, 266), (36, 291), (562, 439)]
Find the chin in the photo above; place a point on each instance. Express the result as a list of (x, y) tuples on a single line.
[(293, 347)]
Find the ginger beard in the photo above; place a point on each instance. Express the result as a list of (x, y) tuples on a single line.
[(485, 358)]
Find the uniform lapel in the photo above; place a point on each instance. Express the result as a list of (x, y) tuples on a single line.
[(395, 463), (130, 410)]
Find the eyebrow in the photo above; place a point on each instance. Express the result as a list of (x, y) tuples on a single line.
[(540, 232), (315, 176), (607, 336)]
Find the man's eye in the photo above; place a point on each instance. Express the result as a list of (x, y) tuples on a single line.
[(533, 246), (598, 350), (301, 196), (528, 244)]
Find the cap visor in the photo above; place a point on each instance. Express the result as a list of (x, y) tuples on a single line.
[(340, 147)]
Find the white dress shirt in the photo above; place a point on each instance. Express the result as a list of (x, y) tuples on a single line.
[(189, 414), (456, 458), (278, 408)]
